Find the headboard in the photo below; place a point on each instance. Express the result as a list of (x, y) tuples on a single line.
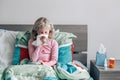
[(79, 30)]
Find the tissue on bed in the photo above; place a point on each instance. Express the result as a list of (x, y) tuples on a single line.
[(101, 55)]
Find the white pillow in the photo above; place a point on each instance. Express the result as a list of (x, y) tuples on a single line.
[(7, 44)]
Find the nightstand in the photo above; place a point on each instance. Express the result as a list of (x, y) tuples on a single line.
[(99, 73)]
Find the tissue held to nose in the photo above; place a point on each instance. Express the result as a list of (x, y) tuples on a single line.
[(43, 38)]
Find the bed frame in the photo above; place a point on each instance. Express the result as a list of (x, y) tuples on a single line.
[(79, 30)]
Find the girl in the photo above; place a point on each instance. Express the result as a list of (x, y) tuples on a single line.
[(46, 51)]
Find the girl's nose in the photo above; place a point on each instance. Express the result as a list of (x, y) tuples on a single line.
[(43, 37)]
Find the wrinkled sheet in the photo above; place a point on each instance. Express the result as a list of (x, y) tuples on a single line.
[(29, 72), (33, 71), (71, 72)]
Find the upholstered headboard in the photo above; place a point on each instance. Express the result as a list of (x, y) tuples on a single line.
[(79, 30)]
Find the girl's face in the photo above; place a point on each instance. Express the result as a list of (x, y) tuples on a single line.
[(43, 31)]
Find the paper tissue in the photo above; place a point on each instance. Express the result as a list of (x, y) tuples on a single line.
[(101, 55), (38, 42)]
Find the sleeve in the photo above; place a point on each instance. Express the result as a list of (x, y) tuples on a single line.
[(54, 55), (33, 52)]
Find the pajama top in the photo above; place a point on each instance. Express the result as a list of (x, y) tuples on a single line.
[(46, 54)]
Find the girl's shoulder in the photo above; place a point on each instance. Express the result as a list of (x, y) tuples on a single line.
[(53, 41)]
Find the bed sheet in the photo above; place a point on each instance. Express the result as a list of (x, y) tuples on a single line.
[(40, 72), (29, 72)]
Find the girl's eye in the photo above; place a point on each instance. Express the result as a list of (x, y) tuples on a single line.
[(41, 32), (45, 32)]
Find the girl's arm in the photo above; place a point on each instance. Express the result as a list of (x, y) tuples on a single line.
[(33, 52), (54, 55)]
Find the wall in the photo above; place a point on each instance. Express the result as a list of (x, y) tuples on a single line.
[(101, 16)]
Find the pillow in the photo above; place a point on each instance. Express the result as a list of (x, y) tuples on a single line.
[(60, 37), (7, 44), (66, 46), (65, 55), (21, 47), (63, 38)]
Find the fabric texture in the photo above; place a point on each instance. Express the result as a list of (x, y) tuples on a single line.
[(16, 57), (24, 53), (7, 44), (29, 72), (33, 71), (66, 46), (63, 38), (68, 67), (21, 47), (79, 64), (71, 72), (45, 54), (11, 40), (22, 39), (65, 54)]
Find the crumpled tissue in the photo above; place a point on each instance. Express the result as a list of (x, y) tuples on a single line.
[(38, 42)]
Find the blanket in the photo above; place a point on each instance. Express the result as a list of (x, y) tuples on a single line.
[(71, 72), (22, 39), (32, 71), (29, 72), (1, 71)]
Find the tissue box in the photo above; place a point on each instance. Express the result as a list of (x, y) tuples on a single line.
[(100, 58)]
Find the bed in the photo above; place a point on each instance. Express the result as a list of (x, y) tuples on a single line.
[(79, 30), (80, 43)]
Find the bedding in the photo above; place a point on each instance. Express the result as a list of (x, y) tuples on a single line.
[(65, 54), (70, 71), (65, 48), (28, 70), (64, 38), (25, 71), (1, 71), (21, 47), (7, 42)]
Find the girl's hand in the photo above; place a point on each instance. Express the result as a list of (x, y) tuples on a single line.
[(43, 39), (39, 62)]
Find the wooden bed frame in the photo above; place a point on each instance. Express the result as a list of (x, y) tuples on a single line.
[(79, 30)]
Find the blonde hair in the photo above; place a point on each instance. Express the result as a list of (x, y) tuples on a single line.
[(40, 23)]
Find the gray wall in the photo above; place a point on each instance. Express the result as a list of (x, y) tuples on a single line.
[(101, 16)]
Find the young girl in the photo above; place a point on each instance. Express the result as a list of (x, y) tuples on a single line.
[(46, 51)]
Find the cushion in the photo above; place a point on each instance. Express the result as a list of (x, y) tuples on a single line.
[(65, 54), (66, 46), (7, 44), (21, 49), (22, 39), (63, 38)]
